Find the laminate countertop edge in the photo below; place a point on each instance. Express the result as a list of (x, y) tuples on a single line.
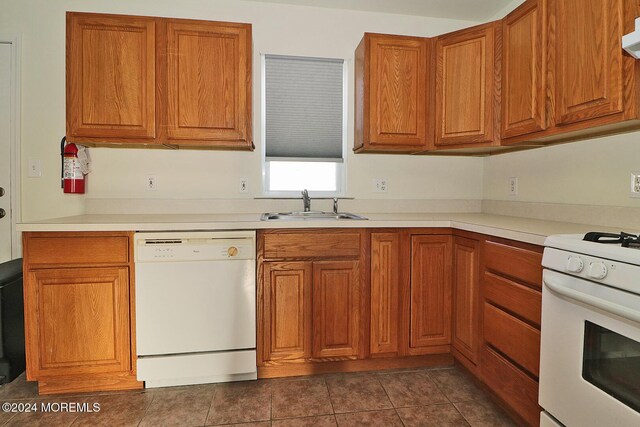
[(516, 228)]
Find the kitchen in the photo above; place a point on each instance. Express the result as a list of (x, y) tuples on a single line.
[(422, 207)]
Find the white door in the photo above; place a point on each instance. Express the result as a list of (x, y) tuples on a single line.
[(5, 152)]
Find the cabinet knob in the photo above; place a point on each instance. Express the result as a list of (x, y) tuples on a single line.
[(3, 213), (2, 191)]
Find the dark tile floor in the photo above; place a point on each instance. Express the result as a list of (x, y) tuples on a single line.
[(418, 397)]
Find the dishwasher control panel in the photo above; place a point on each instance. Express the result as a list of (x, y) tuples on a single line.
[(194, 246)]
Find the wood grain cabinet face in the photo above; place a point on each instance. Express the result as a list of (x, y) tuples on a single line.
[(209, 82), (524, 73), (391, 93), (385, 292), (588, 56), (431, 264), (336, 314), (83, 321), (465, 97), (466, 289), (287, 300), (111, 76)]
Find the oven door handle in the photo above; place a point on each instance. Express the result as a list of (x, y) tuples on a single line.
[(559, 288)]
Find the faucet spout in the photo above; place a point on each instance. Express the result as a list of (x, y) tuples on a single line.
[(306, 200)]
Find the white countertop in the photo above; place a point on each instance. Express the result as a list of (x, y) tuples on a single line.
[(516, 228)]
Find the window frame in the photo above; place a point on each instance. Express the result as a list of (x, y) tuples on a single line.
[(341, 166)]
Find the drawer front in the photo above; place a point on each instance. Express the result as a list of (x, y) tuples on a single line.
[(512, 337), (74, 250), (521, 264), (316, 244), (513, 386), (514, 297)]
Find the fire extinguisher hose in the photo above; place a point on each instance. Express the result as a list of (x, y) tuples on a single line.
[(63, 142)]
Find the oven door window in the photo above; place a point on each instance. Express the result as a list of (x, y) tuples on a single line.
[(611, 362)]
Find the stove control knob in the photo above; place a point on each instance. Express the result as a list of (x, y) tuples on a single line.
[(575, 264), (597, 270)]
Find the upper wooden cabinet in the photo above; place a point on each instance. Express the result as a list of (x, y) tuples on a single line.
[(209, 83), (524, 69), (466, 91), (392, 78), (588, 51), (111, 77), (156, 81)]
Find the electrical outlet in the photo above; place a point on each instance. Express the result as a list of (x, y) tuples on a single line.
[(380, 185), (34, 168), (244, 185), (513, 186), (634, 190), (151, 183)]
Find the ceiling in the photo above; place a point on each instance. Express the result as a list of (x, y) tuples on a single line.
[(471, 10)]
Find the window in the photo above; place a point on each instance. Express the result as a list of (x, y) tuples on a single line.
[(303, 107)]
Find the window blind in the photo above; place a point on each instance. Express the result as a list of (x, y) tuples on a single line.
[(303, 107)]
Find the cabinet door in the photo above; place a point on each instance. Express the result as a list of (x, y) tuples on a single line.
[(336, 312), (287, 308), (524, 74), (466, 287), (398, 92), (209, 83), (465, 94), (588, 56), (81, 321), (111, 77), (430, 291), (385, 292)]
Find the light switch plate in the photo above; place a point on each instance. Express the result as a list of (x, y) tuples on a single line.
[(634, 188), (34, 168)]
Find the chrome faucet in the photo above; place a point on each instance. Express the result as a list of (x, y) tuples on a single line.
[(335, 205), (306, 200)]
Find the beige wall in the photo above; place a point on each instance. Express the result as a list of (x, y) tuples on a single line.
[(593, 172), (277, 29)]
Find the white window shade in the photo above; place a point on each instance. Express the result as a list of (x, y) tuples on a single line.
[(303, 107)]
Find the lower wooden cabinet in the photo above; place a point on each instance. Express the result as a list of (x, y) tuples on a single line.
[(311, 310), (385, 293), (430, 292), (466, 294), (287, 306), (79, 312), (511, 310)]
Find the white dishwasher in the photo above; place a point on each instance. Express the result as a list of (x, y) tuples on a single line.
[(195, 307)]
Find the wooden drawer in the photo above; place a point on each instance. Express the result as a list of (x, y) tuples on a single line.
[(514, 338), (43, 249), (521, 264), (514, 297), (512, 385), (312, 244)]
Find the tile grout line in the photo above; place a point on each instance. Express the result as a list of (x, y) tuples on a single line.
[(213, 399), (333, 410)]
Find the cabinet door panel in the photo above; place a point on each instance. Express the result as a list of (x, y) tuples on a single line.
[(431, 266), (465, 86), (209, 75), (83, 320), (336, 313), (110, 76), (287, 305), (385, 292), (524, 69), (588, 59), (398, 85), (466, 286)]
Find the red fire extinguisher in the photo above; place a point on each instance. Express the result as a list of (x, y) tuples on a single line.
[(73, 180)]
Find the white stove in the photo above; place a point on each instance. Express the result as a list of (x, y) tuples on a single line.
[(590, 349)]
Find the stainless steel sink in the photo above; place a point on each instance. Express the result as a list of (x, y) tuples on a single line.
[(312, 215)]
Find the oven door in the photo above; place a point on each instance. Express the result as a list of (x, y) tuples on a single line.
[(590, 353)]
